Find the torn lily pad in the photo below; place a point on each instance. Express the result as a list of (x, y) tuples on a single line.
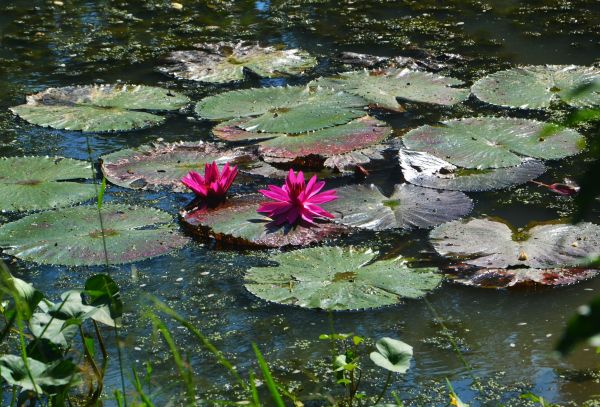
[(292, 109), (33, 183), (522, 277), (236, 223), (493, 142), (430, 171), (99, 108), (339, 278), (550, 250), (409, 206), (226, 62), (537, 86), (162, 165), (383, 88), (73, 237)]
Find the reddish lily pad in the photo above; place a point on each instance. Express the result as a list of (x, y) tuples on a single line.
[(429, 171), (162, 165), (364, 206), (521, 277), (237, 223), (73, 237)]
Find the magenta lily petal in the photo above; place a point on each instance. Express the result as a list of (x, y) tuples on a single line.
[(214, 185), (296, 200)]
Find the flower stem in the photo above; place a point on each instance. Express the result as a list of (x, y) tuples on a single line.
[(385, 387)]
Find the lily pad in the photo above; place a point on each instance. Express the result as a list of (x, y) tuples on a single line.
[(99, 107), (492, 142), (535, 87), (383, 88), (492, 244), (339, 278), (523, 277), (32, 183), (73, 237), (162, 165), (295, 109), (429, 171), (237, 223), (225, 62), (410, 206)]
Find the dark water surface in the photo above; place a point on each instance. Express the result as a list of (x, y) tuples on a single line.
[(507, 336)]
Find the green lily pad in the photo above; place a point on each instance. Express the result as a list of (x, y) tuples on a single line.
[(32, 183), (226, 62), (338, 278), (73, 237), (426, 170), (492, 142), (410, 206), (294, 109), (99, 108), (45, 376), (535, 87), (492, 244), (236, 223), (162, 165), (392, 355), (383, 88), (522, 277)]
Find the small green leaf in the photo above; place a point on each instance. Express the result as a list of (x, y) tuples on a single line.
[(392, 355)]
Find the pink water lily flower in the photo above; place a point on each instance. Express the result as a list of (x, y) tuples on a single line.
[(214, 185), (296, 201)]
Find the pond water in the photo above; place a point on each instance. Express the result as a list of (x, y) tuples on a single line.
[(506, 336)]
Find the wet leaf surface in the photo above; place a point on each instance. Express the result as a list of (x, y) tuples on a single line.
[(162, 165), (492, 142), (33, 183), (73, 237), (236, 223), (98, 108), (339, 278)]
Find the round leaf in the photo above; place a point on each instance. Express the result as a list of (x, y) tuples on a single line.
[(490, 244), (383, 88), (73, 237), (161, 165), (45, 376), (430, 171), (535, 87), (225, 62), (283, 110), (392, 355), (492, 142), (31, 183), (236, 222), (337, 278), (99, 107), (364, 206)]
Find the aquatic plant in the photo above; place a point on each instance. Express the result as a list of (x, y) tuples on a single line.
[(214, 185), (297, 201), (566, 189)]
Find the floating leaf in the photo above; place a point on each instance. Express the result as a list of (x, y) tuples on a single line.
[(236, 222), (225, 62), (383, 88), (492, 142), (432, 172), (73, 236), (536, 86), (230, 130), (337, 278), (364, 206), (348, 162), (45, 376), (31, 183), (99, 107), (522, 277), (294, 109), (392, 355), (160, 165), (543, 254)]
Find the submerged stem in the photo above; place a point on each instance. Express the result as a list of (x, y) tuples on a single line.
[(385, 387)]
